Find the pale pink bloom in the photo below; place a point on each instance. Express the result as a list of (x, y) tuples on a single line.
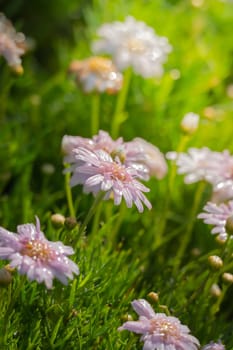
[(12, 44), (97, 74), (133, 44), (214, 346), (223, 191), (159, 331), (138, 153), (147, 157), (217, 215), (190, 122), (100, 172), (33, 255), (199, 164)]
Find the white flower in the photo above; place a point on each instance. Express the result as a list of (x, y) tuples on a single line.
[(133, 44), (190, 122)]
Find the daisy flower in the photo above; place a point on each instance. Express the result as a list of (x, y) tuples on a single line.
[(33, 255), (159, 331), (100, 172), (138, 153), (133, 44), (220, 216), (97, 74), (12, 44), (214, 346)]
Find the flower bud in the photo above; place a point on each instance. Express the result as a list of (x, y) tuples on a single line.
[(127, 317), (229, 225), (5, 277), (57, 220), (215, 290), (189, 123), (215, 262), (154, 296), (70, 223), (227, 278)]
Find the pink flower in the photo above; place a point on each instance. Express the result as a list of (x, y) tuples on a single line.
[(214, 346), (33, 255), (146, 158), (100, 172), (97, 74), (138, 153), (159, 331), (218, 215), (12, 44)]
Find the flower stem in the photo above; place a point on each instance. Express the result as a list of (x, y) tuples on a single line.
[(118, 117), (90, 213), (170, 185), (69, 194), (186, 239), (95, 113)]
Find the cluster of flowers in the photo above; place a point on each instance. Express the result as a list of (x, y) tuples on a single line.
[(113, 167), (216, 168), (12, 44), (130, 44)]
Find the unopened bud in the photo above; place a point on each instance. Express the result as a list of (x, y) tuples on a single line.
[(70, 223), (229, 225), (190, 122), (127, 317), (215, 261), (5, 277), (227, 277), (215, 290), (57, 220), (48, 169), (153, 296), (221, 238), (195, 252)]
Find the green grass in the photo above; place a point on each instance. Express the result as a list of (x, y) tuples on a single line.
[(124, 255)]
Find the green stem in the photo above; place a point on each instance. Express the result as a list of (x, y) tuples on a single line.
[(170, 185), (186, 239), (95, 113), (69, 194), (91, 212), (120, 104)]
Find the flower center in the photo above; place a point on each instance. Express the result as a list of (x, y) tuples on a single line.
[(135, 45), (116, 171), (100, 65), (163, 327), (37, 250)]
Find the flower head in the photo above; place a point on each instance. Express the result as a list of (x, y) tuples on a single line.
[(97, 74), (138, 153), (145, 157), (33, 255), (159, 331), (98, 171), (189, 123), (12, 44), (198, 164), (133, 44), (214, 346), (221, 216)]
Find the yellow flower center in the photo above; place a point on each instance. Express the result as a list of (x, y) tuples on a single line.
[(37, 250), (135, 45)]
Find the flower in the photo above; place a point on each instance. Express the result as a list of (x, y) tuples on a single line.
[(138, 153), (33, 255), (218, 215), (159, 331), (145, 156), (97, 74), (100, 172), (133, 44), (204, 164), (12, 44), (189, 123), (214, 346)]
